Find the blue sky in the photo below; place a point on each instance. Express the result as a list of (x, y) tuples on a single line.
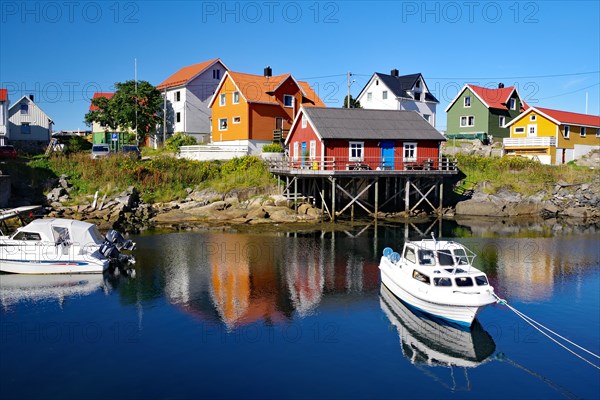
[(64, 51)]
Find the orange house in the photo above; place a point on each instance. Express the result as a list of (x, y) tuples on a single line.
[(253, 110)]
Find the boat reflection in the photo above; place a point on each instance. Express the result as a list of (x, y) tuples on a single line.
[(15, 288), (426, 342)]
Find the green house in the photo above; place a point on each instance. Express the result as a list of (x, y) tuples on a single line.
[(478, 112)]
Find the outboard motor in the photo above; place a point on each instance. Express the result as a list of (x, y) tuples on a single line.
[(118, 240), (109, 251)]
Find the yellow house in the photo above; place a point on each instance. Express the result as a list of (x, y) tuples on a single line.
[(552, 136)]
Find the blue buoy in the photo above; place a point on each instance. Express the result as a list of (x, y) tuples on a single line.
[(387, 251), (394, 257)]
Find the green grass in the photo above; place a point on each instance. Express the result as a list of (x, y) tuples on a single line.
[(519, 174), (160, 179)]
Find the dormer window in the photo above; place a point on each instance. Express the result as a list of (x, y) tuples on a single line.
[(288, 100), (418, 84), (512, 104)]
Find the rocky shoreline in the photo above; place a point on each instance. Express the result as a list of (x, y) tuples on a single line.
[(126, 211)]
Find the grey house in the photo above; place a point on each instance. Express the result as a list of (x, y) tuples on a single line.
[(29, 127)]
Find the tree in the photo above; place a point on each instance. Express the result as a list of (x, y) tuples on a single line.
[(120, 110), (353, 102)]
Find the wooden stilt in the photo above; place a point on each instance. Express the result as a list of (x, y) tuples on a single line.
[(376, 198)]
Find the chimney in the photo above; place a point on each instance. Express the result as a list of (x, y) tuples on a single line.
[(268, 72), (31, 97), (394, 72), (501, 85)]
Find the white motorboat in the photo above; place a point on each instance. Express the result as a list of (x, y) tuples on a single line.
[(62, 246), (437, 277)]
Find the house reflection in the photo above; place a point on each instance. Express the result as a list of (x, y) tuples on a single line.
[(241, 279)]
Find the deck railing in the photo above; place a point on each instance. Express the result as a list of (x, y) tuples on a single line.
[(530, 142), (364, 164)]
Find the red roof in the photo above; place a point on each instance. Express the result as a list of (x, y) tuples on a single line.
[(106, 95), (3, 94), (185, 74), (566, 117), (494, 98)]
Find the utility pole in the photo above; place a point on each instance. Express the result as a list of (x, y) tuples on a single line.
[(136, 98), (349, 83), (165, 116), (586, 102)]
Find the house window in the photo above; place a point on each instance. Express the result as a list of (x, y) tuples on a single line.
[(313, 149), (304, 121), (236, 120), (222, 124), (178, 117), (369, 96), (427, 117), (384, 95), (357, 151), (467, 121), (178, 96), (519, 129), (410, 152), (597, 132), (25, 129), (236, 97), (582, 131), (501, 121), (288, 100), (533, 117), (468, 101), (222, 99), (418, 84), (566, 131), (512, 104), (24, 108), (216, 74), (296, 151), (376, 82)]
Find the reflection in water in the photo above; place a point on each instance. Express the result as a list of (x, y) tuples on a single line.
[(15, 288), (425, 342), (239, 279)]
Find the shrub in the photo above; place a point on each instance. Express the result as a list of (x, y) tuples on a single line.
[(272, 148), (179, 139)]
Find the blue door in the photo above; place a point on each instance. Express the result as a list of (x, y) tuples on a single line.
[(387, 154), (304, 154)]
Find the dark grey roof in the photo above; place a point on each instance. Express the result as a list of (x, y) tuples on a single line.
[(400, 84), (356, 123)]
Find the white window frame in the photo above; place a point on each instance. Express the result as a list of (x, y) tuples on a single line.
[(582, 131), (384, 95), (369, 96), (466, 124), (220, 124), (512, 103), (427, 117), (501, 121), (567, 131), (296, 155), (304, 123), (412, 147), (235, 98), (238, 118), (356, 147), (532, 130), (287, 96), (467, 99), (312, 152), (223, 99), (533, 117), (522, 130)]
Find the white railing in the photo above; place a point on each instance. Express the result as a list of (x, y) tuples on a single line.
[(364, 164), (530, 142), (210, 152)]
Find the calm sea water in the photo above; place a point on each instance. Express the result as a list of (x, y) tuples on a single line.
[(301, 315)]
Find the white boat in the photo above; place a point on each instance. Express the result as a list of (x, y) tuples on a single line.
[(437, 277), (62, 246)]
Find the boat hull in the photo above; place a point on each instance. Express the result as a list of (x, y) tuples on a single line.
[(53, 267), (456, 313)]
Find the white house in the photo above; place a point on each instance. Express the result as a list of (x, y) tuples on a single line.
[(29, 126), (395, 92), (3, 117), (188, 92)]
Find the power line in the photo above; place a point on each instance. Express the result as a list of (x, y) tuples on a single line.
[(510, 77), (574, 91)]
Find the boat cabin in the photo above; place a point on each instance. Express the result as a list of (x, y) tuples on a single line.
[(59, 231)]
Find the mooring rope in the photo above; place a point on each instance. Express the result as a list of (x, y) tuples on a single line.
[(533, 323)]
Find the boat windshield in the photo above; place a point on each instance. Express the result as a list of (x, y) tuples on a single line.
[(445, 257), (95, 234), (461, 257), (61, 234), (426, 257)]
